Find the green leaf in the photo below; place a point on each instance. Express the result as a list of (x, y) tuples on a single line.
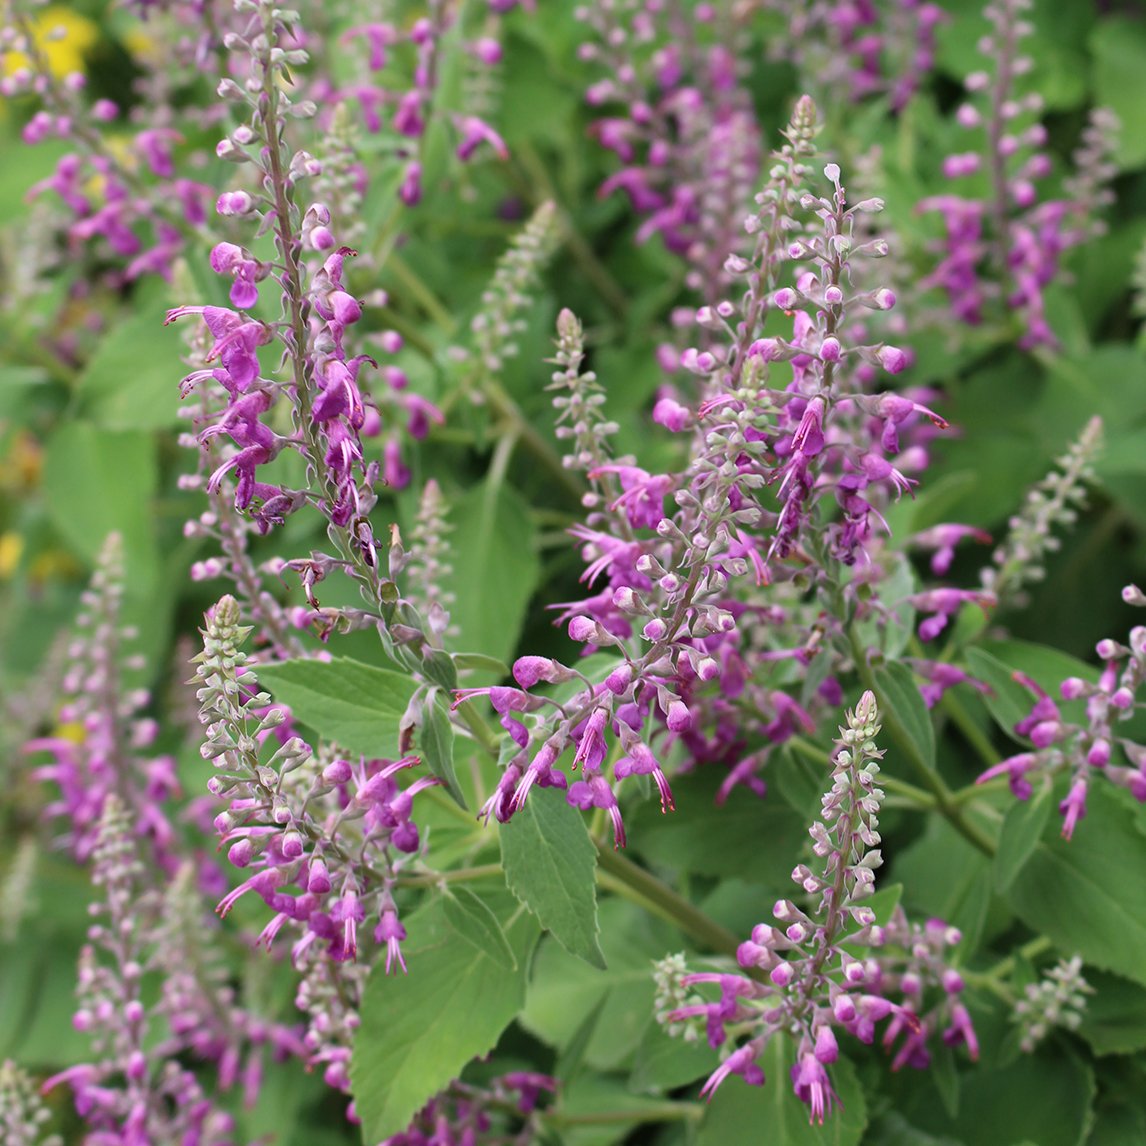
[(470, 916), (419, 1031), (745, 836), (437, 745), (1117, 1125), (132, 379), (896, 687), (479, 662), (1114, 1021), (945, 1078), (602, 1111), (1022, 829), (564, 989), (98, 482), (493, 548), (570, 1063), (550, 865), (439, 667), (18, 384), (1008, 701), (1069, 890), (739, 1113), (892, 1129), (664, 1063), (1119, 46), (944, 876), (891, 630), (356, 705), (1049, 667), (1043, 1098)]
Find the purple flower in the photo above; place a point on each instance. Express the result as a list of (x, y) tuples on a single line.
[(597, 793)]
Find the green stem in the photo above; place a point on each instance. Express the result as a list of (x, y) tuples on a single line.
[(965, 795), (482, 732), (420, 292), (947, 806), (993, 980), (410, 332), (621, 875), (539, 446), (956, 711), (540, 188), (648, 1112), (913, 797), (446, 803), (457, 875)]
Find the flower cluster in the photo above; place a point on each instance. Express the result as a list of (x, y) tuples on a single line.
[(1058, 999), (136, 1091), (1084, 750), (685, 131), (666, 606), (1021, 239), (23, 1114), (856, 48), (407, 111), (133, 205), (332, 830), (496, 326), (807, 980), (1053, 503), (101, 742), (465, 1114)]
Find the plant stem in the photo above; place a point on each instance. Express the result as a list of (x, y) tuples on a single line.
[(947, 806), (953, 708), (992, 980), (912, 796), (539, 446), (621, 875), (457, 875), (540, 188), (659, 1112), (421, 293)]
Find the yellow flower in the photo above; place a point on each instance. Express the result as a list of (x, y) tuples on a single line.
[(72, 730), (20, 466), (143, 46), (62, 35), (11, 550)]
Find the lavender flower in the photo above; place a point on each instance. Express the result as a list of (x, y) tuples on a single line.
[(410, 110), (332, 830), (857, 49), (468, 1115), (496, 326), (1021, 239), (806, 980), (685, 133), (135, 210), (666, 607), (136, 1091), (427, 568), (100, 748), (1088, 750)]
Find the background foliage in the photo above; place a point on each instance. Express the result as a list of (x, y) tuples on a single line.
[(88, 447)]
